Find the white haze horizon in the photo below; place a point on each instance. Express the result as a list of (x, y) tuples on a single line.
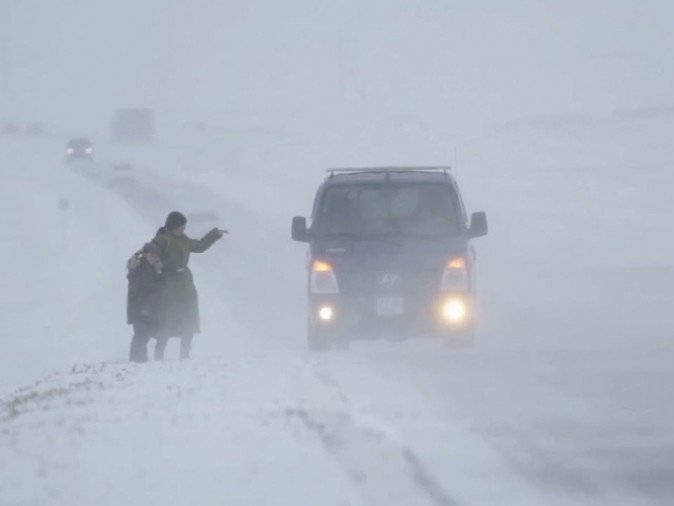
[(463, 66)]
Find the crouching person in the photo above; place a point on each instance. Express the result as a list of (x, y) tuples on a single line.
[(142, 311)]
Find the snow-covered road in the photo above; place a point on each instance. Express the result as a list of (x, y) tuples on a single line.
[(371, 427), (564, 400), (214, 429)]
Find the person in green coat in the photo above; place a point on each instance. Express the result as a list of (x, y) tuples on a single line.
[(179, 302)]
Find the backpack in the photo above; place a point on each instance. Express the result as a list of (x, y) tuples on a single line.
[(133, 262)]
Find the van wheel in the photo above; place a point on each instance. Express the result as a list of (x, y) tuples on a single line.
[(463, 338), (317, 340), (341, 342)]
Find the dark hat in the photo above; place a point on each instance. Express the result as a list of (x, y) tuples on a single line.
[(175, 220), (152, 247)]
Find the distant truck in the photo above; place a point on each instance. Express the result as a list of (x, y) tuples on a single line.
[(133, 125)]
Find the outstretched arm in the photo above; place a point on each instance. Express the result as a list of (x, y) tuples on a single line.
[(201, 245)]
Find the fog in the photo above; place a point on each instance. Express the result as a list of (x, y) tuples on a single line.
[(556, 118), (457, 63)]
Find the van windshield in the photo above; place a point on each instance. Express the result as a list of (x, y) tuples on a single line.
[(423, 209)]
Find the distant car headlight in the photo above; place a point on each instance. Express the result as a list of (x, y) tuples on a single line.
[(70, 151), (322, 279), (89, 151), (455, 276)]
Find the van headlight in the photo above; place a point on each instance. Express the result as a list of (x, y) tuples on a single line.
[(454, 310), (322, 279), (455, 276), (326, 313)]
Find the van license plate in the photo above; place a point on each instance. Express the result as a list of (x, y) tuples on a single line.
[(390, 306)]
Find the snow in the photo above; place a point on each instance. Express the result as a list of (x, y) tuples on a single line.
[(565, 142), (554, 406)]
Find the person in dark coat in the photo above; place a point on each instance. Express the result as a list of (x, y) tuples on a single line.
[(179, 300), (142, 308)]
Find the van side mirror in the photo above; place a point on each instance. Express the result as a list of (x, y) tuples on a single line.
[(478, 225), (299, 230)]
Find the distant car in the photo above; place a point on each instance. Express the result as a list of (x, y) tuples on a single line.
[(390, 254), (10, 129), (79, 149)]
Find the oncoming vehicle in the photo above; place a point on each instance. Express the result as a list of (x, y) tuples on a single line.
[(389, 254), (79, 149)]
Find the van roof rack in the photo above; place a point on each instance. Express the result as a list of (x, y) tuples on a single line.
[(389, 170)]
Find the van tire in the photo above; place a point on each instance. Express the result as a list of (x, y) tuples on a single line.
[(317, 340), (341, 342), (460, 339)]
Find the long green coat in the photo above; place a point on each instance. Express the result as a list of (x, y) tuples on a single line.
[(179, 301)]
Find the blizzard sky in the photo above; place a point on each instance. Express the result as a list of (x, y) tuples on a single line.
[(473, 63)]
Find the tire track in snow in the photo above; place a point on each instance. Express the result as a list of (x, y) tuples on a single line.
[(361, 452)]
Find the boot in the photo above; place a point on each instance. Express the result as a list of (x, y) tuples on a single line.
[(160, 347), (138, 349), (185, 347)]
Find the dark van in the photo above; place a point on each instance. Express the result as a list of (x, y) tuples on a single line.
[(390, 256)]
